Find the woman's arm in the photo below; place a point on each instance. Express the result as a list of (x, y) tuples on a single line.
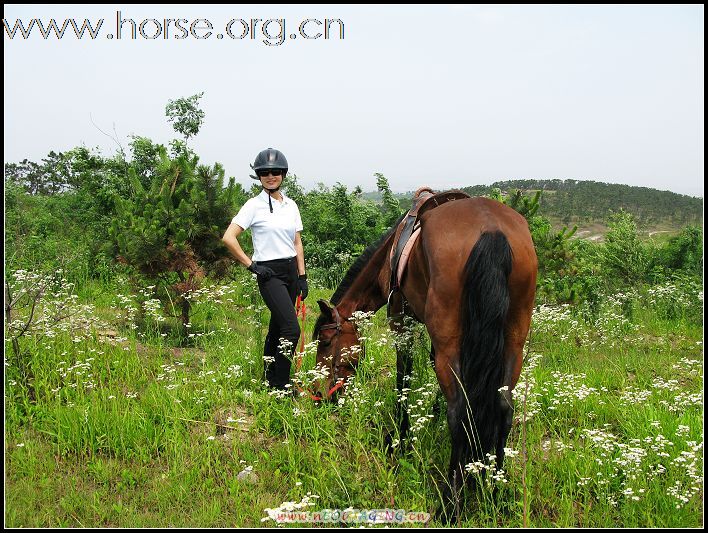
[(300, 254), (230, 239)]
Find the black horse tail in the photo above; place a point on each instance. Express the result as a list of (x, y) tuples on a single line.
[(485, 305)]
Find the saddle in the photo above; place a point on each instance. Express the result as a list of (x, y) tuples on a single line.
[(408, 230)]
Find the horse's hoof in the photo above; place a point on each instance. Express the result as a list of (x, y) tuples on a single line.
[(395, 445), (391, 445), (445, 514)]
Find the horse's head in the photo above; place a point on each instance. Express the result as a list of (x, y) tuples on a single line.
[(338, 350)]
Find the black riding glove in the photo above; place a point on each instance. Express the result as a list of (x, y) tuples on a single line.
[(302, 285), (264, 273)]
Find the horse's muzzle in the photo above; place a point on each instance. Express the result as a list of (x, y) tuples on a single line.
[(328, 391)]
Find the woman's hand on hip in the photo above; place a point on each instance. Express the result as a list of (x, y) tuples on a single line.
[(263, 272)]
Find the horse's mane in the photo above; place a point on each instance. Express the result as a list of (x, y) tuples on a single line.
[(354, 271)]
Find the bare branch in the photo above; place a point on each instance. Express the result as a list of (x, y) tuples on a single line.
[(114, 139)]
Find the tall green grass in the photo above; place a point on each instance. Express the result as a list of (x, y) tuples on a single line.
[(149, 426)]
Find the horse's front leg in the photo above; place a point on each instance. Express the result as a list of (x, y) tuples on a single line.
[(404, 367)]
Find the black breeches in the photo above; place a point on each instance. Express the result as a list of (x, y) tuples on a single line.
[(279, 294)]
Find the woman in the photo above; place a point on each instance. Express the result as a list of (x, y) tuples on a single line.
[(278, 260)]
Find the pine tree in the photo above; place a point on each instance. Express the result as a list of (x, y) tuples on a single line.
[(391, 207), (523, 204), (171, 232)]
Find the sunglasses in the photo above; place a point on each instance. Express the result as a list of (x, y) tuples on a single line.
[(275, 172)]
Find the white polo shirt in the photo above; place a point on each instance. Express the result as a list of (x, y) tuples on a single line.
[(273, 233)]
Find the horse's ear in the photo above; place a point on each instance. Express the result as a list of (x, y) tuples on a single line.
[(325, 308)]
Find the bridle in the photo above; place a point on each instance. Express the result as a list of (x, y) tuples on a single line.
[(337, 324)]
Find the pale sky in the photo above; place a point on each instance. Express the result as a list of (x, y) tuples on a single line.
[(443, 96)]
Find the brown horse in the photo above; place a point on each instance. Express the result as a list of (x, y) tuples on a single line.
[(471, 279)]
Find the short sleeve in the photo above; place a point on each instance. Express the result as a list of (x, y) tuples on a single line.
[(298, 220), (244, 217)]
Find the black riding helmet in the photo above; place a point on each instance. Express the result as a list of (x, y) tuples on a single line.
[(270, 159)]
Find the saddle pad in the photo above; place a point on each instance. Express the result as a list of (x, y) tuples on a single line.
[(403, 261)]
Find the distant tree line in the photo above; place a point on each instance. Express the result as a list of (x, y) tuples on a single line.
[(574, 201)]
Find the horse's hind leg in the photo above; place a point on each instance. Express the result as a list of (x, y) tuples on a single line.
[(462, 442), (461, 435), (458, 455), (507, 419), (513, 358), (438, 396)]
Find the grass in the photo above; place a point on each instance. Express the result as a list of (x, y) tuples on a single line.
[(149, 427)]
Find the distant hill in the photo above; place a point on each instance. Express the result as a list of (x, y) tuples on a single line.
[(588, 204), (572, 201)]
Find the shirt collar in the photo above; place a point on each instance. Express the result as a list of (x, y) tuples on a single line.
[(264, 196)]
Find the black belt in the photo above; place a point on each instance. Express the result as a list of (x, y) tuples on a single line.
[(277, 261)]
